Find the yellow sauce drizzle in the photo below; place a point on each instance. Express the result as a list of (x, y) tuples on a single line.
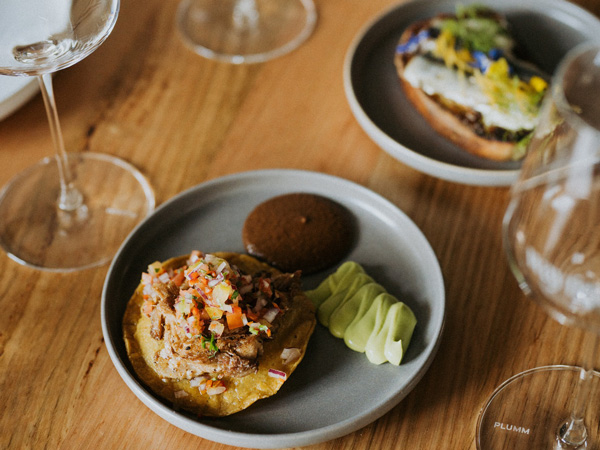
[(360, 311)]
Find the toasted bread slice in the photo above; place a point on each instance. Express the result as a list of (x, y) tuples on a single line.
[(461, 123), (451, 126)]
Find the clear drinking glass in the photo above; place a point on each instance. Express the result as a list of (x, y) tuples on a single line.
[(245, 31), (552, 237), (73, 210)]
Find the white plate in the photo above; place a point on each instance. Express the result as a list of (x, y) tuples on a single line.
[(15, 92), (546, 28), (334, 391)]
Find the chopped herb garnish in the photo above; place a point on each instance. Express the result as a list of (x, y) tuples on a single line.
[(209, 345)]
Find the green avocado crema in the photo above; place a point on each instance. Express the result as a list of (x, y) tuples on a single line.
[(360, 311)]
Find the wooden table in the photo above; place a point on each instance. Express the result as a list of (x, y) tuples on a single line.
[(183, 120)]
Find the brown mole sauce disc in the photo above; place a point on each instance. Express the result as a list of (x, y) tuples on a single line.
[(299, 231)]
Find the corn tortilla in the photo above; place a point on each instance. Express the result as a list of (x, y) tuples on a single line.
[(295, 328)]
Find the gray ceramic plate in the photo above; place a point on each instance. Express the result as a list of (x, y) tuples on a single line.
[(546, 28), (15, 92), (334, 391)]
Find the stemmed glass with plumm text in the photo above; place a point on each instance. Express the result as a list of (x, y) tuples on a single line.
[(73, 210), (245, 31), (552, 237)]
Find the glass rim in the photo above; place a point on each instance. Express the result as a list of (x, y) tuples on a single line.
[(557, 87)]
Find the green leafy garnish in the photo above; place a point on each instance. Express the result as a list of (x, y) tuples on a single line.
[(520, 147), (475, 29), (210, 345)]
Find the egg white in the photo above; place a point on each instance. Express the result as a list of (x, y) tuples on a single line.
[(435, 78)]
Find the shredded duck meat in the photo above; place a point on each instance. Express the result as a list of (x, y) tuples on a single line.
[(199, 324)]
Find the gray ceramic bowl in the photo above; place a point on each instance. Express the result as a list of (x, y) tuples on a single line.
[(547, 29)]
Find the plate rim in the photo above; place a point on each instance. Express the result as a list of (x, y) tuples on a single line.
[(277, 440), (412, 158)]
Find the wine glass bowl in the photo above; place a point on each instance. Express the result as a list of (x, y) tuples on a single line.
[(549, 227), (74, 210), (39, 36), (552, 240), (245, 31)]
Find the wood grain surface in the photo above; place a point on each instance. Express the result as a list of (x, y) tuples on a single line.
[(183, 120)]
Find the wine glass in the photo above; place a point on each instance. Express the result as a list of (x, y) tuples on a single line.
[(71, 211), (552, 238), (245, 31)]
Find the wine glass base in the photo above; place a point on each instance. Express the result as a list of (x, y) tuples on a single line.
[(526, 411), (36, 233), (245, 31)]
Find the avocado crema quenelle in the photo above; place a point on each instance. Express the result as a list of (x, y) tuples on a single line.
[(369, 319)]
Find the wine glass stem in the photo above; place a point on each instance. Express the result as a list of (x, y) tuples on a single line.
[(245, 14), (573, 433), (70, 198)]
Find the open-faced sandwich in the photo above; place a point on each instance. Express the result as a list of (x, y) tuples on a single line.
[(213, 333), (461, 73)]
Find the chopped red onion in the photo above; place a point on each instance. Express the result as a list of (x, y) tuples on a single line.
[(216, 327), (260, 304), (290, 355), (164, 277), (277, 374), (216, 390), (245, 289), (195, 382), (270, 315)]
